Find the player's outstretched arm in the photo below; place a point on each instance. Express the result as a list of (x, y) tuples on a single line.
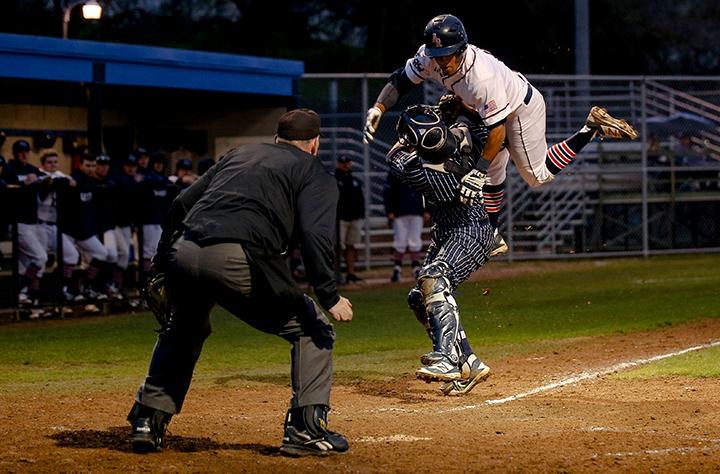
[(398, 85)]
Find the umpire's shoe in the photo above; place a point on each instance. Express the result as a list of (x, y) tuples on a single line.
[(148, 428), (608, 126), (306, 433)]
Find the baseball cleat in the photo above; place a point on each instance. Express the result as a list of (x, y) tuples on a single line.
[(456, 388), (148, 428), (306, 433), (431, 358), (500, 247), (608, 126), (442, 371)]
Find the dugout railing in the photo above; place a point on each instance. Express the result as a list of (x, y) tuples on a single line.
[(659, 194)]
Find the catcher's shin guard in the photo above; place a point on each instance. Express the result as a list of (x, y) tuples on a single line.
[(444, 321), (148, 428), (306, 433)]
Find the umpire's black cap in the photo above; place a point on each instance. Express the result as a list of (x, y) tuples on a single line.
[(299, 124)]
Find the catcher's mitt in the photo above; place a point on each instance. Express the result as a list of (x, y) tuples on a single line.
[(450, 107), (156, 298)]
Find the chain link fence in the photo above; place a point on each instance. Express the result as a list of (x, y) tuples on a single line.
[(659, 194)]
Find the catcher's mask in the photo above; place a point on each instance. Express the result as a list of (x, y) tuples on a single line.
[(421, 127)]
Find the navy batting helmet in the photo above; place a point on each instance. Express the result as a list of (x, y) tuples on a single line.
[(421, 127), (444, 35)]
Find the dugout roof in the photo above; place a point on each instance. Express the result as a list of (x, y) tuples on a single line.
[(53, 59)]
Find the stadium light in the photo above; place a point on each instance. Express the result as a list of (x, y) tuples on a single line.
[(91, 10)]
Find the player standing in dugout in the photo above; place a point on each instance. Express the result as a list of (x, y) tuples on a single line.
[(226, 241), (504, 100)]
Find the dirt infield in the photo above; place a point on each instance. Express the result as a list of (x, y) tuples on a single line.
[(404, 425)]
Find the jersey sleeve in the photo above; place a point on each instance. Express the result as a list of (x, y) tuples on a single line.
[(418, 67)]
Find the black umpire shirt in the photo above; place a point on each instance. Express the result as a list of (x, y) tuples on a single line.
[(270, 198)]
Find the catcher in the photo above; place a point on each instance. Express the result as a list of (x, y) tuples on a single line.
[(445, 165)]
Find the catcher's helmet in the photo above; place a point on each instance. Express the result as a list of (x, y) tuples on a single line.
[(421, 127), (444, 35)]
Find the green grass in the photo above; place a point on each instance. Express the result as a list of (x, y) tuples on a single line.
[(520, 314), (700, 364)]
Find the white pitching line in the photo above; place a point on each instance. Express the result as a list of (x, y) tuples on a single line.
[(583, 376)]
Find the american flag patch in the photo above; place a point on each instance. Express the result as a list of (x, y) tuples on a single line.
[(489, 107)]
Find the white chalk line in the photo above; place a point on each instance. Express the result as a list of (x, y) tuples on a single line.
[(574, 379), (398, 438), (647, 452)]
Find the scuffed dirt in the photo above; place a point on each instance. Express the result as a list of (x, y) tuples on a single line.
[(405, 425)]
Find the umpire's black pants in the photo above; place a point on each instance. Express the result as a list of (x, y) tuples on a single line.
[(197, 278)]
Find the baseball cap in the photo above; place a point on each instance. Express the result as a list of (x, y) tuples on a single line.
[(344, 158), (158, 157), (299, 124), (130, 160), (140, 151), (20, 146), (103, 160), (184, 165)]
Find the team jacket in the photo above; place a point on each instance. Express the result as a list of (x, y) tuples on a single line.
[(128, 203), (351, 204), (155, 198), (271, 198), (25, 201), (79, 215), (402, 199)]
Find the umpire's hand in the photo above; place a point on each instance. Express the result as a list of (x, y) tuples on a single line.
[(342, 311)]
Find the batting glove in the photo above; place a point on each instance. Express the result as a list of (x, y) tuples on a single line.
[(471, 187), (372, 120)]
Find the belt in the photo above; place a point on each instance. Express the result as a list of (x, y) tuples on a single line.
[(528, 95)]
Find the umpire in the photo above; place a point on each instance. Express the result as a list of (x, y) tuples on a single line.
[(226, 241)]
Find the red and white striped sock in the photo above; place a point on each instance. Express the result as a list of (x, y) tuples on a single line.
[(493, 196), (562, 154), (558, 157)]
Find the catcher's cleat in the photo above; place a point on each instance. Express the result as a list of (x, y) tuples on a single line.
[(500, 247), (608, 126), (442, 371), (478, 373), (306, 433), (431, 358), (148, 428)]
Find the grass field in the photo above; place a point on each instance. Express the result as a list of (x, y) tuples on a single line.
[(553, 333), (513, 310)]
